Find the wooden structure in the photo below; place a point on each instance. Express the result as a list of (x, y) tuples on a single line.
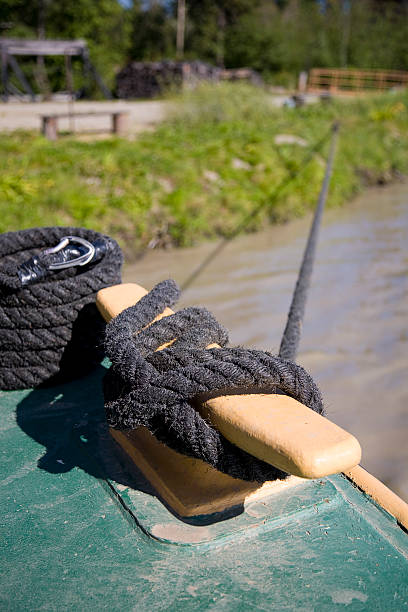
[(11, 48), (345, 81), (119, 122)]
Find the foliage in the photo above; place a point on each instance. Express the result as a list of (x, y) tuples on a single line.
[(203, 170), (153, 33), (359, 34), (276, 37), (287, 36)]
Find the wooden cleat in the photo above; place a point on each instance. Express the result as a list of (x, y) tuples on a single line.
[(275, 428)]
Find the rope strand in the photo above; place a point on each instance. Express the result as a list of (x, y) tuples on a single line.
[(291, 336)]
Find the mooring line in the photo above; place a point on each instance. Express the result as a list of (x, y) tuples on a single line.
[(291, 336), (254, 212)]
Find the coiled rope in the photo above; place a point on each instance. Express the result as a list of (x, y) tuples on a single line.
[(51, 330), (158, 389)]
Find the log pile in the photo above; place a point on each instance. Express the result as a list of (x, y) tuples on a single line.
[(242, 74), (149, 79)]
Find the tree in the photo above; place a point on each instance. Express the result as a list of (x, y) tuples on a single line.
[(153, 32)]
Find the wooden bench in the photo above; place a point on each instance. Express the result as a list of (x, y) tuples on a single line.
[(119, 122)]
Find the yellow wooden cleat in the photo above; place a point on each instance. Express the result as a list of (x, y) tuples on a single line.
[(275, 428)]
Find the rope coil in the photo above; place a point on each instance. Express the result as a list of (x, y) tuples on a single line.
[(51, 328), (158, 389)]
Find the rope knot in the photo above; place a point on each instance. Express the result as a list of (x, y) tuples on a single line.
[(157, 388)]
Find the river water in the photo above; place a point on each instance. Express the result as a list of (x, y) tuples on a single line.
[(355, 339)]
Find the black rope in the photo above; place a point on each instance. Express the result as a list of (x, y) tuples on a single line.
[(254, 212), (50, 329), (158, 389), (291, 336)]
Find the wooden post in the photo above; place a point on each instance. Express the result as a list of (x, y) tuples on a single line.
[(181, 25), (120, 123), (50, 127), (302, 82), (70, 87), (4, 75), (21, 77)]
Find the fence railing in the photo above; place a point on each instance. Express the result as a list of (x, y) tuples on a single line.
[(343, 80)]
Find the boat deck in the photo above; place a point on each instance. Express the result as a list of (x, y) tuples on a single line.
[(80, 532)]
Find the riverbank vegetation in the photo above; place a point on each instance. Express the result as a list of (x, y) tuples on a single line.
[(198, 175)]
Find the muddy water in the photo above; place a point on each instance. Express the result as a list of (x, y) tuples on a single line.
[(355, 338)]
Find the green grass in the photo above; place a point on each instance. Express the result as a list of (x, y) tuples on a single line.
[(200, 173)]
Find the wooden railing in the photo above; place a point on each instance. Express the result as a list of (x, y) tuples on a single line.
[(343, 80)]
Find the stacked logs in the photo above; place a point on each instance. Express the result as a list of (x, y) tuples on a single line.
[(149, 79), (242, 74)]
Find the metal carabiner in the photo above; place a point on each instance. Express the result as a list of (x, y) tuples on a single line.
[(82, 260)]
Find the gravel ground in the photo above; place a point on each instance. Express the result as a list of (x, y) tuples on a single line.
[(27, 115), (143, 115)]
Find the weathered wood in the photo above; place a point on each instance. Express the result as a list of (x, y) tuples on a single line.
[(16, 46), (50, 127), (4, 74), (120, 123), (20, 75)]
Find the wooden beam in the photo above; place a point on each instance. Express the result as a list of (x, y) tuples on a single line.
[(15, 46), (92, 70), (4, 75), (21, 76)]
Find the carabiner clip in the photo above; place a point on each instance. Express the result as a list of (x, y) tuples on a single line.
[(82, 260)]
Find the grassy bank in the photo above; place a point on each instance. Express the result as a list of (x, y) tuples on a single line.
[(199, 174)]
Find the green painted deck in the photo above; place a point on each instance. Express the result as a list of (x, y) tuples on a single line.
[(80, 533)]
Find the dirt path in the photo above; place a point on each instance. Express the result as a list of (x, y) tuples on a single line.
[(27, 115), (143, 115)]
